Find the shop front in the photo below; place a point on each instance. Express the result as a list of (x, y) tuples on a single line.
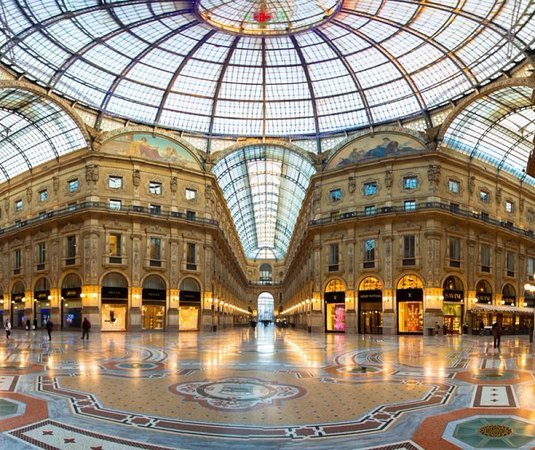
[(370, 306), (409, 298), (190, 305), (18, 320), (41, 302), (114, 298), (453, 305), (335, 307), (2, 306), (513, 319), (481, 319)]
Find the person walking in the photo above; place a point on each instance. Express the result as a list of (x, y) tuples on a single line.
[(496, 334), (49, 328), (7, 327), (35, 323), (86, 326)]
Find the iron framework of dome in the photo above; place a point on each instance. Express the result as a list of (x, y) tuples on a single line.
[(361, 64)]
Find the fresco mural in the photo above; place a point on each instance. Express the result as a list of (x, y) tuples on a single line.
[(156, 148), (380, 145)]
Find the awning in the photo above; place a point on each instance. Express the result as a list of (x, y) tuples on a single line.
[(503, 309)]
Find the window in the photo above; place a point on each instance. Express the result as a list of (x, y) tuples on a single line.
[(18, 205), (484, 197), (266, 274), (335, 195), (409, 250), (509, 206), (455, 252), (370, 188), (410, 183), (369, 210), (73, 185), (155, 252), (369, 254), (43, 195), (454, 186), (41, 255), (115, 204), (510, 264), (191, 257), (155, 209), (115, 182), (454, 207), (531, 216), (191, 194), (70, 250), (531, 268), (191, 215), (42, 215), (333, 257), (17, 261), (410, 205), (155, 188), (115, 248), (485, 258), (71, 206)]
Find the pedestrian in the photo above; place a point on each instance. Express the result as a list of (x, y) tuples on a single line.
[(437, 328), (49, 328), (28, 324), (8, 328), (86, 326), (496, 334), (35, 323)]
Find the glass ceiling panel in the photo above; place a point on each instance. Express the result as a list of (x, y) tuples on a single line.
[(33, 130), (264, 186), (498, 128), (192, 65)]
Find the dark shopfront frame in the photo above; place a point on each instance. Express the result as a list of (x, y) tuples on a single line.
[(117, 296), (453, 298), (153, 297), (370, 301), (41, 307), (331, 298), (411, 295), (191, 300), (71, 308), (17, 300)]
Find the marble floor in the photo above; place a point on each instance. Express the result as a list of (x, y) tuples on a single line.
[(265, 388)]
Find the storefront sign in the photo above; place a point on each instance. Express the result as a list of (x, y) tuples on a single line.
[(17, 297), (453, 296), (374, 295), (41, 295), (484, 297), (410, 295), (114, 292), (335, 297), (191, 296), (509, 300), (153, 294), (71, 292)]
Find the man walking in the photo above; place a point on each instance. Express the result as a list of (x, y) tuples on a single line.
[(86, 326), (7, 327), (49, 328), (496, 334)]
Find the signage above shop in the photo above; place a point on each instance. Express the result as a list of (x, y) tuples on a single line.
[(41, 295), (408, 295), (114, 292), (71, 292), (375, 295), (453, 296), (153, 294)]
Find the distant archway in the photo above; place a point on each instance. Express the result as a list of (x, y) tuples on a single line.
[(266, 306)]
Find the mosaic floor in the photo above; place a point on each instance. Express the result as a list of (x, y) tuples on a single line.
[(265, 389)]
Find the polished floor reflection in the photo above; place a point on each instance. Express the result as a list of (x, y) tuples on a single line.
[(265, 388)]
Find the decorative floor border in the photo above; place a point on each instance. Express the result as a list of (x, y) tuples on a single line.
[(379, 419)]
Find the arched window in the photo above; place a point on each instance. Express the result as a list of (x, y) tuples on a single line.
[(266, 274)]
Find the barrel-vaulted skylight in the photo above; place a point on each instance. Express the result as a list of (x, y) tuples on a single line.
[(264, 186), (33, 130), (498, 128), (169, 63)]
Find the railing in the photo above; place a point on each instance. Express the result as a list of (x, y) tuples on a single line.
[(102, 206), (395, 210)]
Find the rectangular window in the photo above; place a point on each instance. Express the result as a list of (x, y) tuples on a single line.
[(335, 195), (73, 185), (191, 257), (454, 186), (191, 215), (484, 197), (531, 268), (70, 250), (485, 258), (115, 182), (531, 216), (41, 255), (42, 215), (369, 210), (509, 206), (409, 250), (510, 264), (410, 183), (333, 257), (455, 252), (410, 205), (115, 248), (116, 205), (369, 253), (155, 252), (370, 188), (155, 209), (43, 195), (454, 207), (18, 205), (71, 206), (17, 263), (191, 194), (155, 188)]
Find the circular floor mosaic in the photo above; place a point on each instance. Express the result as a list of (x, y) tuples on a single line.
[(236, 394)]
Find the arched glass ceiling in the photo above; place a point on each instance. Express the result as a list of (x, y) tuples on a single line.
[(33, 130), (264, 186), (159, 62), (498, 128)]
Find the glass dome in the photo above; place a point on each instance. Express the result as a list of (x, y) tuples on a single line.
[(203, 67)]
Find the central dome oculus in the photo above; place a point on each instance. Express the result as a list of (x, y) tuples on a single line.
[(266, 17)]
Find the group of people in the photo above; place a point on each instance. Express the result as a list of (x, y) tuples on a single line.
[(86, 326)]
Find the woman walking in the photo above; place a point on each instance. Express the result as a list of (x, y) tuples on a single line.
[(7, 327)]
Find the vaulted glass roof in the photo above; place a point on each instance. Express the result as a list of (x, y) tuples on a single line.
[(33, 130), (169, 63), (264, 186), (498, 128)]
